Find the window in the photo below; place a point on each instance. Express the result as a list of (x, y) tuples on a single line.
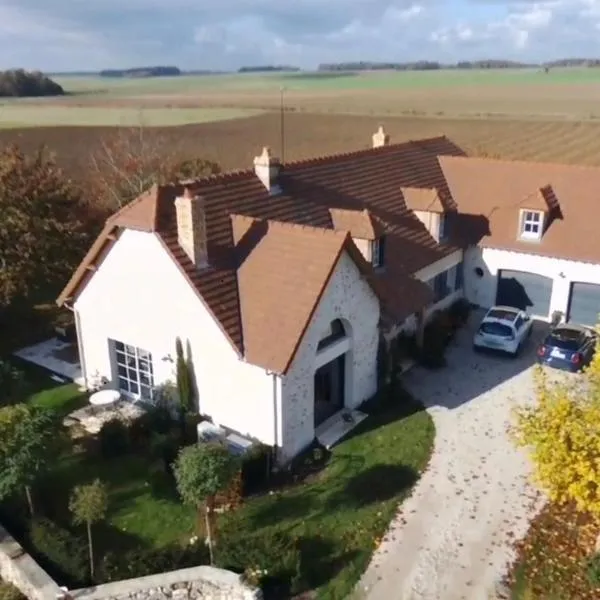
[(443, 229), (460, 277), (531, 224), (496, 329), (134, 370), (377, 252), (439, 285)]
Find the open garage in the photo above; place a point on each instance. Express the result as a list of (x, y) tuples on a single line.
[(584, 303), (527, 291)]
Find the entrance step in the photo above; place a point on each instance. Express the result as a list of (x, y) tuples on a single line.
[(338, 426)]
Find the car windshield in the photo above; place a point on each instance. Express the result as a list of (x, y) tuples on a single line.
[(502, 314), (565, 339), (493, 328)]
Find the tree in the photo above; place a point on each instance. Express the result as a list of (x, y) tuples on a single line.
[(21, 83), (201, 472), (41, 237), (12, 384), (88, 504), (184, 383), (27, 443), (562, 433), (131, 161)]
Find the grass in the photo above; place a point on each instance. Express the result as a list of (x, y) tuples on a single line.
[(23, 115), (341, 514)]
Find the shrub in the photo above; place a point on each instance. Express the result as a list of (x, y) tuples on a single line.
[(114, 439), (65, 552), (256, 468), (459, 311), (12, 384), (436, 336), (593, 570), (270, 552), (9, 592), (140, 562)]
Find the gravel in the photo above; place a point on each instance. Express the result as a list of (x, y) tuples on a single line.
[(453, 538)]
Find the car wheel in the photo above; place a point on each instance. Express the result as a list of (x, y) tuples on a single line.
[(517, 351)]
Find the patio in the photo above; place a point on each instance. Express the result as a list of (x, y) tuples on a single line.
[(90, 419), (59, 357)]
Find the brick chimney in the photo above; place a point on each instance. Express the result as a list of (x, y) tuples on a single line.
[(380, 138), (191, 227), (267, 169)]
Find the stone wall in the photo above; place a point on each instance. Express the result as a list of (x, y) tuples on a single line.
[(23, 572), (187, 584), (197, 583)]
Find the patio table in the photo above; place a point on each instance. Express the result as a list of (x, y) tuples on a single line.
[(104, 397)]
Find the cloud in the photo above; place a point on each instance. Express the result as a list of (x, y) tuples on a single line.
[(224, 34)]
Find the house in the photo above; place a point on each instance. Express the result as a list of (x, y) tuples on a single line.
[(281, 280)]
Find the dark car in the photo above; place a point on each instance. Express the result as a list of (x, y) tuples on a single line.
[(568, 347)]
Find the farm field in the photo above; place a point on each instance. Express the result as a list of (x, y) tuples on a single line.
[(234, 143), (525, 94)]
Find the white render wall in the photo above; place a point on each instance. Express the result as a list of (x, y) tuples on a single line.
[(482, 291), (139, 296), (350, 298)]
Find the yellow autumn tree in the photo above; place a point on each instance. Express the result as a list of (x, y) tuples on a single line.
[(562, 433)]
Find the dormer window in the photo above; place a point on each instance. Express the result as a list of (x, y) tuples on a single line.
[(532, 222), (442, 228), (377, 252)]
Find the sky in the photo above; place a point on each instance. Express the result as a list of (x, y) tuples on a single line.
[(88, 35)]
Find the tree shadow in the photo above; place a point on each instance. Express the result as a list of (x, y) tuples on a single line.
[(376, 484), (284, 508)]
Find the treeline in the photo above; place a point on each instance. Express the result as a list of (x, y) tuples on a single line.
[(18, 83), (269, 69), (425, 65), (142, 72)]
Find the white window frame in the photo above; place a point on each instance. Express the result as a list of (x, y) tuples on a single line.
[(532, 223), (134, 371), (376, 253)]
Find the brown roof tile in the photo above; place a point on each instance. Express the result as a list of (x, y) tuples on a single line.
[(366, 182), (422, 199)]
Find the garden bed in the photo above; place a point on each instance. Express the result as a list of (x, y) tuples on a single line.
[(319, 532), (552, 559)]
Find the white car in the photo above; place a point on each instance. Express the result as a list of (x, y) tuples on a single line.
[(503, 328)]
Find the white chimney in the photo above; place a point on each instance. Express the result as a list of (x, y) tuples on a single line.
[(380, 138), (267, 170), (191, 227)]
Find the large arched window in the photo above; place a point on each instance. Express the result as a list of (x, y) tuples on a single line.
[(334, 333)]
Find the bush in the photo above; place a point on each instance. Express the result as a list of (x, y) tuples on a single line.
[(140, 562), (256, 469), (593, 570), (164, 447), (66, 553), (268, 551), (157, 419), (114, 439), (9, 592), (459, 312), (12, 384)]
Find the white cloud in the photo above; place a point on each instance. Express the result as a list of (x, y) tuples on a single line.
[(95, 34)]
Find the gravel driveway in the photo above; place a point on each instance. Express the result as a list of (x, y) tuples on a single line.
[(452, 539)]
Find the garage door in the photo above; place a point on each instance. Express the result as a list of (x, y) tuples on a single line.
[(584, 303), (527, 291)]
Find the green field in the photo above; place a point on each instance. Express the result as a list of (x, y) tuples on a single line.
[(569, 93)]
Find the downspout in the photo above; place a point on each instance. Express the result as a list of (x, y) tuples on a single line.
[(79, 342), (275, 411)]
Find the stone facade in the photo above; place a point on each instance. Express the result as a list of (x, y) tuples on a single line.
[(350, 298)]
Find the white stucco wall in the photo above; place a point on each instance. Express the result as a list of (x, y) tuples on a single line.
[(482, 291), (429, 272), (349, 297), (139, 297)]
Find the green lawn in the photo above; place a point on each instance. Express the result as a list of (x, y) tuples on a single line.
[(339, 515)]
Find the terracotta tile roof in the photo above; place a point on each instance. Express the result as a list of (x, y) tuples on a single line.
[(283, 271), (422, 199), (492, 192), (315, 191), (360, 223)]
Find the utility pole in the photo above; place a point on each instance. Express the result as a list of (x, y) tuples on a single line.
[(282, 123)]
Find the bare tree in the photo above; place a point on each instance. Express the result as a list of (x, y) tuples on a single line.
[(134, 158)]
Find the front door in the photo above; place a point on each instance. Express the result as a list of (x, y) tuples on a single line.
[(329, 389)]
